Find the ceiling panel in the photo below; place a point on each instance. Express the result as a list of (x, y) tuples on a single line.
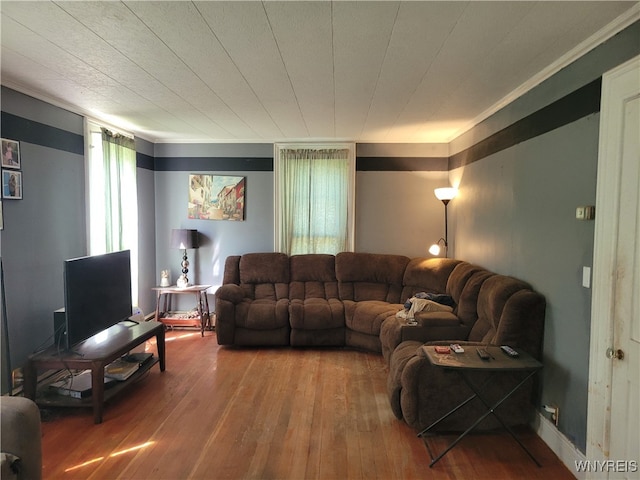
[(192, 40), (421, 29), (361, 35), (254, 71), (243, 30)]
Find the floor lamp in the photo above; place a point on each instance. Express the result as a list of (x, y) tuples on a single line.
[(184, 239), (444, 195)]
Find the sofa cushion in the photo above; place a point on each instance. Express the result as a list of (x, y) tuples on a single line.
[(265, 275), (492, 298), (464, 286), (367, 316), (313, 276), (427, 275), (522, 322), (369, 276), (269, 267), (316, 314), (231, 270), (10, 466), (262, 314)]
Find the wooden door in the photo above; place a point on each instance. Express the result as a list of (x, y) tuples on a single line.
[(614, 400)]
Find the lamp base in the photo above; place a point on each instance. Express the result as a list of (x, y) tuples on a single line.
[(182, 281)]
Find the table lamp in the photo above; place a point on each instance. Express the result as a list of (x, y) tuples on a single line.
[(184, 239)]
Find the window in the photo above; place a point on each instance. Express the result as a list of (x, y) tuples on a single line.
[(112, 193), (314, 189)]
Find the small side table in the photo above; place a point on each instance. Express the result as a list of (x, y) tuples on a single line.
[(169, 318), (465, 364)]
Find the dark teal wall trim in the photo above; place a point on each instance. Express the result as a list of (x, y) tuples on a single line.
[(183, 164), (572, 107), (380, 164), (24, 130), (578, 104), (144, 161), (402, 164)]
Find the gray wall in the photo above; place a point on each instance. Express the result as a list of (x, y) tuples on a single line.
[(48, 225), (146, 231), (218, 238), (42, 230), (396, 212), (515, 215)]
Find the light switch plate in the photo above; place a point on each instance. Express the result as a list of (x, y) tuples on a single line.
[(586, 277)]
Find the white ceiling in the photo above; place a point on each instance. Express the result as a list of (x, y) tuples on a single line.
[(213, 71)]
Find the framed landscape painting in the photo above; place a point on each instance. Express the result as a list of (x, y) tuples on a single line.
[(216, 197)]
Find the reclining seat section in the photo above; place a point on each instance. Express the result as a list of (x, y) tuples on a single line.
[(509, 313), (316, 313), (463, 281), (428, 275), (256, 296), (370, 287)]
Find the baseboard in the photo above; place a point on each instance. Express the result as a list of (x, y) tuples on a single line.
[(566, 451)]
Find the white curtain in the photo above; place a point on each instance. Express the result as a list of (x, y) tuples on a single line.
[(113, 214), (314, 200)]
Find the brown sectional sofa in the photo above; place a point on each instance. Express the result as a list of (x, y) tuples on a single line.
[(351, 299)]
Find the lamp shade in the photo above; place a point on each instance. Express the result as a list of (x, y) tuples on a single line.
[(446, 193), (183, 238)]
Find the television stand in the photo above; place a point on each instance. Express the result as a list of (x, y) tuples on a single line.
[(94, 354)]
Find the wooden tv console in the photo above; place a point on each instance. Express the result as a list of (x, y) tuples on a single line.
[(94, 354)]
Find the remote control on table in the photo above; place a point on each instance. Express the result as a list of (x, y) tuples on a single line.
[(456, 348), (509, 351), (482, 353)]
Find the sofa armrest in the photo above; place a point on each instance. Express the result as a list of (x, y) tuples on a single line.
[(437, 319), (230, 292), (463, 344), (431, 327), (21, 437), (228, 297)]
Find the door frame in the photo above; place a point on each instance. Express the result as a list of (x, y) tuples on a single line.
[(604, 261)]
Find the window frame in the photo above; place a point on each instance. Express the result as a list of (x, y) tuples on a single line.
[(351, 200)]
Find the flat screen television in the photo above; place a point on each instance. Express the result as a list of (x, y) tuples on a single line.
[(97, 294)]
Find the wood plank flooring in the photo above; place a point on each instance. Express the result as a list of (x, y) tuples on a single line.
[(282, 413)]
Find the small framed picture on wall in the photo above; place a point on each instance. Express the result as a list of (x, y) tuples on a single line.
[(11, 185), (10, 153)]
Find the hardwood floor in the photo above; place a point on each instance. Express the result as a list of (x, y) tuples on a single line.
[(221, 413)]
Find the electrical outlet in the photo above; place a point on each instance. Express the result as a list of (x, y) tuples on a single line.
[(580, 213), (16, 378), (554, 411)]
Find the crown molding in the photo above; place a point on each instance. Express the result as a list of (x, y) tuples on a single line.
[(601, 36)]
